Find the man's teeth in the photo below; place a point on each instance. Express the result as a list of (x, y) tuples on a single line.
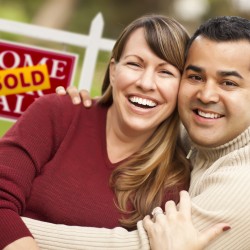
[(208, 115), (142, 101)]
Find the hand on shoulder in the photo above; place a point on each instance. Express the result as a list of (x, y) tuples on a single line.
[(77, 96)]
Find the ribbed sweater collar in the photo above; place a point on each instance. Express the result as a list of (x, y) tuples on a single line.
[(217, 152)]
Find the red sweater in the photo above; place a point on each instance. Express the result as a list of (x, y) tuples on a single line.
[(54, 167)]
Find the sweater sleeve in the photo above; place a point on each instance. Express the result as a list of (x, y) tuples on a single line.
[(62, 237), (24, 149), (222, 196)]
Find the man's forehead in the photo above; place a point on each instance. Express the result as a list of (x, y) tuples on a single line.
[(233, 53)]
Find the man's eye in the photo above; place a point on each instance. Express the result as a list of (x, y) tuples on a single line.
[(229, 83), (195, 77)]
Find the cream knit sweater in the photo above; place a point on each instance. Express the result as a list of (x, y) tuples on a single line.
[(220, 191)]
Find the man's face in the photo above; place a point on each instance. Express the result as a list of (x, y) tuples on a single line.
[(214, 96)]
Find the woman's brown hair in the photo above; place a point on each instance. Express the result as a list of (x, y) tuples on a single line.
[(160, 166)]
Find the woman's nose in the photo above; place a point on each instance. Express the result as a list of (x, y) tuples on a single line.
[(147, 80)]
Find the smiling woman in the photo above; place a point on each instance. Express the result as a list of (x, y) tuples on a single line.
[(112, 163), (145, 67), (138, 78)]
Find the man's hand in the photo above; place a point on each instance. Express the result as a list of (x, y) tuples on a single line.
[(76, 95)]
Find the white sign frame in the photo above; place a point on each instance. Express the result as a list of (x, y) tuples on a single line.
[(93, 42)]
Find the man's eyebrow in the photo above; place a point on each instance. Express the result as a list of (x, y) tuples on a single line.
[(222, 73), (194, 68), (229, 73)]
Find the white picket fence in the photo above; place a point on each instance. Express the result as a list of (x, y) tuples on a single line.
[(92, 43)]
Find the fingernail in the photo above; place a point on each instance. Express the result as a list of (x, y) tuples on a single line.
[(61, 92), (76, 100), (87, 103), (226, 228)]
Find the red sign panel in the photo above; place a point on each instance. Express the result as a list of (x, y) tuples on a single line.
[(60, 67)]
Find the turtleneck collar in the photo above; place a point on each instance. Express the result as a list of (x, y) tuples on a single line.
[(214, 153)]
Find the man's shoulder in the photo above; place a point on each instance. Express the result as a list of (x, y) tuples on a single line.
[(241, 157)]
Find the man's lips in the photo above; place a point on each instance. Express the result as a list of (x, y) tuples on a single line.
[(207, 114)]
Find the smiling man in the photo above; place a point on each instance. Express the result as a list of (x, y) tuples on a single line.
[(214, 97), (214, 102)]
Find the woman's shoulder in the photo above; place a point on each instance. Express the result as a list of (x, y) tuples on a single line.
[(55, 103), (61, 108)]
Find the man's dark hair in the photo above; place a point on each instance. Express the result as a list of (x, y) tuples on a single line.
[(222, 29)]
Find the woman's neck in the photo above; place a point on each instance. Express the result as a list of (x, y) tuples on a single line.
[(122, 141)]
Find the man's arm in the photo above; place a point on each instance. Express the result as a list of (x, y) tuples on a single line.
[(221, 195), (173, 231), (74, 237)]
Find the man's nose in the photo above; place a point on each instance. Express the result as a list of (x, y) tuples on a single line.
[(208, 92)]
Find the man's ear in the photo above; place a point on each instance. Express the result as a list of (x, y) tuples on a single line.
[(112, 68)]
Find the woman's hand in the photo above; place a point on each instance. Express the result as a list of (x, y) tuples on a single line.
[(76, 95), (26, 243), (174, 230)]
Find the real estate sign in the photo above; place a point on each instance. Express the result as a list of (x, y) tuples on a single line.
[(28, 72)]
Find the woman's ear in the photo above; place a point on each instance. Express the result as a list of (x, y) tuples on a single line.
[(112, 67)]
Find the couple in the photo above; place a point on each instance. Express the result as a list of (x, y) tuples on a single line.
[(212, 102)]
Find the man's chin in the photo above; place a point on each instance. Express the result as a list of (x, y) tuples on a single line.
[(205, 141)]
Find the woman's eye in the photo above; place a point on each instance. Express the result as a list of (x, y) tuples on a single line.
[(166, 72), (133, 64)]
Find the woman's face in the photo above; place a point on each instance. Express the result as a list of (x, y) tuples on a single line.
[(144, 86)]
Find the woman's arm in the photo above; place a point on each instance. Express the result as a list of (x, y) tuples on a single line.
[(25, 243), (25, 148)]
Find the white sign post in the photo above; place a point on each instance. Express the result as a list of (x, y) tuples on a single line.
[(92, 42), (90, 58)]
